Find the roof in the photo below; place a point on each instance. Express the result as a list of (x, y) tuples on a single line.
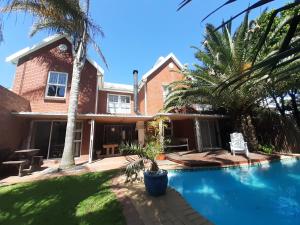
[(159, 62), (117, 87), (118, 117), (14, 58)]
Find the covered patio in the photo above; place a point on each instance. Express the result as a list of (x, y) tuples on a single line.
[(99, 135)]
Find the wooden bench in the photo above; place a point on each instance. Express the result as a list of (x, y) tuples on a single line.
[(19, 163), (178, 142)]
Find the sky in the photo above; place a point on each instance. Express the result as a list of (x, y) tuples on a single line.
[(137, 33)]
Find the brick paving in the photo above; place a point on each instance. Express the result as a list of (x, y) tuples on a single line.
[(164, 210), (220, 158), (138, 207), (49, 168)]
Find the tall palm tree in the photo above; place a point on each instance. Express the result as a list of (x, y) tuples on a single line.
[(69, 17), (224, 55), (288, 48)]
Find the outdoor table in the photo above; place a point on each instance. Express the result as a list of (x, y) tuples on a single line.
[(27, 154), (111, 147)]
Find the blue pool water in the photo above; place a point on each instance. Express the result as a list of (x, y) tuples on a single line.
[(266, 194)]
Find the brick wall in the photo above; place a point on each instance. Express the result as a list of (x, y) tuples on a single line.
[(162, 76), (32, 74), (141, 100), (13, 130)]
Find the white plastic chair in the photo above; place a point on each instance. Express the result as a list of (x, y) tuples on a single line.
[(237, 144)]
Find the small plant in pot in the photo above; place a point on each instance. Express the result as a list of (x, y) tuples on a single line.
[(155, 179)]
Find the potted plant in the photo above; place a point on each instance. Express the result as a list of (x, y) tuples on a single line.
[(155, 179)]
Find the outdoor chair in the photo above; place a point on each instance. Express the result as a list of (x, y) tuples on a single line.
[(237, 144)]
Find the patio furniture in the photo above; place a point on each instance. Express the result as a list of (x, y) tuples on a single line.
[(19, 163), (237, 144), (37, 162), (32, 160), (110, 148), (178, 142)]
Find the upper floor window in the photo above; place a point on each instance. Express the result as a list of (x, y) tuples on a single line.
[(118, 104), (57, 84), (166, 91)]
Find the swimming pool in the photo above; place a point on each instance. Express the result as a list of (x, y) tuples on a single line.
[(266, 194)]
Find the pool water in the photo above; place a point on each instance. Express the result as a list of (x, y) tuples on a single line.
[(266, 194)]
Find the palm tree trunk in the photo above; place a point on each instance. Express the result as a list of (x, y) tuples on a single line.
[(67, 160), (249, 132), (296, 112)]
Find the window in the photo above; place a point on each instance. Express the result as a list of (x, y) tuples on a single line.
[(57, 84), (166, 91), (118, 104)]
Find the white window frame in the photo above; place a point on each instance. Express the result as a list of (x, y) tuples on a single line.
[(47, 86), (119, 102)]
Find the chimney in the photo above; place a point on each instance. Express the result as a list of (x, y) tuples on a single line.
[(135, 90)]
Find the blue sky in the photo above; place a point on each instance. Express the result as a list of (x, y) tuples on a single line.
[(137, 32)]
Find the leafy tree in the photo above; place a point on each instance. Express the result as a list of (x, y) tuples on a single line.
[(69, 17), (224, 55), (285, 57), (282, 81)]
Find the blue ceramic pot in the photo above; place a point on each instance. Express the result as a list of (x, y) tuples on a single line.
[(156, 183)]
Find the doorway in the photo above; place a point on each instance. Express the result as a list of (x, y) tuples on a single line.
[(49, 137)]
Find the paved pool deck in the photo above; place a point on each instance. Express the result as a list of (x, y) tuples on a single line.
[(177, 160), (141, 209), (50, 168), (222, 158), (138, 207)]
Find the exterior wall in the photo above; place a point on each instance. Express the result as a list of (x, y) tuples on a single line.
[(102, 101), (185, 129), (32, 74), (13, 130), (162, 76), (141, 100)]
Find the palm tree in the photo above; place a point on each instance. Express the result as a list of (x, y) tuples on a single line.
[(224, 55), (288, 47), (69, 17)]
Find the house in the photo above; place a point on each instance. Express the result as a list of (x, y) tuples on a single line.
[(108, 113)]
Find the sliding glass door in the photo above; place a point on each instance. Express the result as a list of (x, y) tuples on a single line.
[(49, 137), (210, 134)]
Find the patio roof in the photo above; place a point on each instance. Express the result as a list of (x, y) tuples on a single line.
[(115, 118)]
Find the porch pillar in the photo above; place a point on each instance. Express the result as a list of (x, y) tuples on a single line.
[(198, 135), (161, 133), (29, 136), (91, 146), (140, 127)]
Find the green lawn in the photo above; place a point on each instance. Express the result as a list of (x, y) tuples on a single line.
[(84, 200)]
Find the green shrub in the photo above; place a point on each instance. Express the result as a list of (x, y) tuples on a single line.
[(266, 148)]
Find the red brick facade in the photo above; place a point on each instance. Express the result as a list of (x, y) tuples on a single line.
[(154, 87), (32, 74), (13, 130), (30, 84)]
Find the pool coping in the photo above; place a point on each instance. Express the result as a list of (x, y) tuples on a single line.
[(255, 162)]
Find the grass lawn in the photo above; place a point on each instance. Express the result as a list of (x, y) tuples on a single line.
[(84, 200)]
